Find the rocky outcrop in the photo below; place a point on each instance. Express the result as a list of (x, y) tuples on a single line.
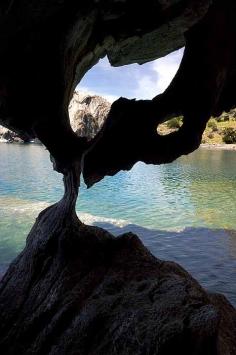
[(76, 289), (57, 42), (87, 113), (64, 40), (7, 135), (198, 91)]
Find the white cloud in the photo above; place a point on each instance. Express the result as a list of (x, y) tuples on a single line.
[(108, 97), (134, 81), (164, 70)]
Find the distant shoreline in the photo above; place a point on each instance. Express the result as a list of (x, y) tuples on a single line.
[(218, 146), (2, 140)]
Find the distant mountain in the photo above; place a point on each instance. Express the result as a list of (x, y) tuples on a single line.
[(87, 114)]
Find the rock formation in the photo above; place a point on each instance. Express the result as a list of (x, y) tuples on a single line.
[(201, 88), (9, 136), (76, 289), (87, 114), (56, 42)]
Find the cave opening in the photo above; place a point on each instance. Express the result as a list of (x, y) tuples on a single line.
[(133, 81), (76, 288)]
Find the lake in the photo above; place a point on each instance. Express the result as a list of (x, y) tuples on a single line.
[(184, 211)]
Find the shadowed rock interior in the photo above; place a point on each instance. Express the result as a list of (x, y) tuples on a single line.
[(76, 289)]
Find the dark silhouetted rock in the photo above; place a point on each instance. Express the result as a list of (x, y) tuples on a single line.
[(197, 92), (87, 115), (76, 289), (47, 47), (91, 293)]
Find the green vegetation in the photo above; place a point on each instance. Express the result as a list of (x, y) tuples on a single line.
[(223, 132), (174, 123), (212, 123), (229, 135), (219, 130)]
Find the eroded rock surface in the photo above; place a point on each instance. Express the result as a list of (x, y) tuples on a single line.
[(47, 47), (202, 87), (79, 290), (7, 135), (76, 289), (87, 113)]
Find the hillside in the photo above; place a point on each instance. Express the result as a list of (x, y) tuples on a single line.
[(219, 130)]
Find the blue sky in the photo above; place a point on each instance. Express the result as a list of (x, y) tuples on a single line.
[(131, 81)]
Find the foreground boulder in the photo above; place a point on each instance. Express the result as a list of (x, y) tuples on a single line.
[(76, 289)]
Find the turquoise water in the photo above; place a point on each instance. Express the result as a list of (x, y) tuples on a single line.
[(184, 211)]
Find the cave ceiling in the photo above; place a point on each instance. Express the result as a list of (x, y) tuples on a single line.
[(46, 47)]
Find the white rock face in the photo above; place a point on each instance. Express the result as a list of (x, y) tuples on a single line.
[(3, 130), (87, 114), (8, 136)]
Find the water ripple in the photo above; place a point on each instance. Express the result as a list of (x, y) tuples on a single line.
[(184, 211)]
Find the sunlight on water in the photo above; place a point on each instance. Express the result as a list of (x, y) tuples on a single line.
[(184, 211)]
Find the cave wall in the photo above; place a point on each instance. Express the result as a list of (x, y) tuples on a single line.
[(77, 289), (47, 47)]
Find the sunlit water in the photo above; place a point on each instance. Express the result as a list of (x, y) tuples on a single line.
[(184, 211)]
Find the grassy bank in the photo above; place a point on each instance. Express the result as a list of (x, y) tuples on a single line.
[(219, 131), (216, 135)]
